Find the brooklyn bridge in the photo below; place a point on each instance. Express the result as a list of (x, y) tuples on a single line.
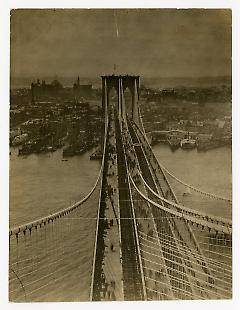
[(148, 245)]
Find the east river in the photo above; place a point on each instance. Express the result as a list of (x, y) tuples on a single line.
[(42, 184)]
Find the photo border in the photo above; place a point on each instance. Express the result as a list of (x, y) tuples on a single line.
[(5, 7)]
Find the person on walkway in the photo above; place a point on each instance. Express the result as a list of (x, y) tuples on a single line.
[(104, 286), (107, 291), (112, 247), (112, 285)]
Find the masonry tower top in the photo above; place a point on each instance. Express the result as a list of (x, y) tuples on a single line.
[(121, 83)]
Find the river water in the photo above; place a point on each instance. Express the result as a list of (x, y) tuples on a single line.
[(209, 171), (43, 184)]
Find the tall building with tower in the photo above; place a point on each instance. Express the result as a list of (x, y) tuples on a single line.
[(42, 90), (82, 91)]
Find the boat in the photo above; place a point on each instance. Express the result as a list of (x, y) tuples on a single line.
[(68, 152), (74, 150), (188, 142), (149, 137), (29, 148), (24, 151), (207, 145), (81, 151), (96, 155), (154, 141), (187, 192), (18, 140), (174, 143), (46, 149)]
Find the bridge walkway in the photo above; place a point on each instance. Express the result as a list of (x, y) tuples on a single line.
[(112, 268), (156, 278), (130, 263), (107, 270)]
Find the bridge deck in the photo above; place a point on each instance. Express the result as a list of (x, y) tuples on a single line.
[(131, 269), (112, 268)]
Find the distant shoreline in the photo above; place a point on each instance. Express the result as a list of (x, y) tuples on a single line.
[(154, 82)]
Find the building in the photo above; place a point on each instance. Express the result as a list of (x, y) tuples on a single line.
[(82, 91), (42, 90)]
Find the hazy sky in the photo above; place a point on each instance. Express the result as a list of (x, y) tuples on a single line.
[(160, 43)]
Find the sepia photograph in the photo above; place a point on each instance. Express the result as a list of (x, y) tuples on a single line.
[(120, 155)]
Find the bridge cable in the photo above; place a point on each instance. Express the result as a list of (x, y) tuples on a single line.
[(180, 272), (183, 208), (183, 252), (176, 178), (56, 215), (188, 218), (183, 249), (216, 253)]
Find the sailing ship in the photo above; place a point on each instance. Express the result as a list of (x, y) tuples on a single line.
[(188, 142)]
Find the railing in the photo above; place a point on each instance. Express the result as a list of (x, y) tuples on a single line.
[(141, 221), (173, 210), (188, 218), (194, 213), (50, 218), (99, 207)]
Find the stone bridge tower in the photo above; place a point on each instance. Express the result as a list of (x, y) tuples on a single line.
[(121, 83)]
